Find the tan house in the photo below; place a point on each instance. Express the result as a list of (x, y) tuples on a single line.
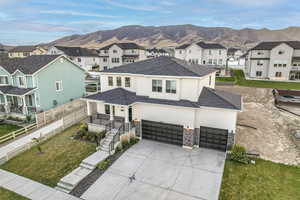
[(24, 51)]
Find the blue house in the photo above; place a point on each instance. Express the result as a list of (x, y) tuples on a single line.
[(38, 83)]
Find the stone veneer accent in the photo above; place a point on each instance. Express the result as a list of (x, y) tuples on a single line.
[(230, 140), (188, 137)]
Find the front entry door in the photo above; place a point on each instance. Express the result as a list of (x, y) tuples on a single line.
[(130, 113)]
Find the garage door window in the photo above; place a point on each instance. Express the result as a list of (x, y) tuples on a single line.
[(171, 86), (156, 85)]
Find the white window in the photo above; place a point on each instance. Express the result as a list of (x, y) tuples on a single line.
[(156, 85), (209, 52), (171, 86), (220, 52), (127, 81), (220, 62), (58, 86), (215, 61), (3, 80), (21, 80)]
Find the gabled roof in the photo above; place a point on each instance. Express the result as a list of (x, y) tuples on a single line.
[(77, 51), (210, 45), (271, 45), (23, 49), (184, 46), (15, 90), (28, 65), (124, 46), (219, 99), (163, 66)]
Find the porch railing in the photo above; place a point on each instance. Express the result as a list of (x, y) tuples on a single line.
[(16, 109), (116, 137), (2, 108)]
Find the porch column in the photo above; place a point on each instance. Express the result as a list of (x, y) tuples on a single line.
[(88, 108), (111, 114), (6, 106), (127, 125), (25, 111)]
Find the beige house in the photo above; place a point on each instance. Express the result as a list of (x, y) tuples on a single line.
[(274, 61), (24, 51)]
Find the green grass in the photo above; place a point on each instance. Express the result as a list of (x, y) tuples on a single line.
[(8, 195), (264, 180), (61, 155), (7, 128), (239, 79)]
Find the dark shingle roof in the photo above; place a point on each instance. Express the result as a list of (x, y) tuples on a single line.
[(184, 46), (210, 45), (23, 49), (27, 65), (167, 66), (271, 45), (15, 90), (77, 51), (121, 96), (155, 50), (129, 45), (219, 99)]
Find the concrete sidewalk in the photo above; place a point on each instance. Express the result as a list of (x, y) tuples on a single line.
[(18, 143), (31, 189)]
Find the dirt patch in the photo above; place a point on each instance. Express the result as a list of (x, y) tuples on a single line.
[(273, 139)]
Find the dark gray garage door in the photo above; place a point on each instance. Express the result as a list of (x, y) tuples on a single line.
[(162, 132), (213, 138)]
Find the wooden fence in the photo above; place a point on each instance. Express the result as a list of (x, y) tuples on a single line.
[(17, 133)]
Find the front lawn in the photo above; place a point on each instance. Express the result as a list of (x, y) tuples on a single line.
[(61, 155), (7, 128), (225, 79), (264, 180), (8, 195)]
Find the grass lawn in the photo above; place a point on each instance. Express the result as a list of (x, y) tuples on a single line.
[(61, 155), (240, 80), (7, 128), (8, 195), (225, 79), (264, 180)]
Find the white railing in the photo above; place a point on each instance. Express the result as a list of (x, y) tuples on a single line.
[(14, 134)]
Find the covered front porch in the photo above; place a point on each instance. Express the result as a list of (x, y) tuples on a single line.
[(19, 101)]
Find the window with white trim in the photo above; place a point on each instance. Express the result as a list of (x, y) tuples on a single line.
[(21, 80), (3, 80), (156, 85), (171, 86), (58, 86)]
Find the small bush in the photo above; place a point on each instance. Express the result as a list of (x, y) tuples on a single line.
[(103, 165), (133, 140), (238, 153), (83, 127), (118, 149)]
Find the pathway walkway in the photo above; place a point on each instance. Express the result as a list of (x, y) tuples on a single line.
[(19, 143), (31, 189)]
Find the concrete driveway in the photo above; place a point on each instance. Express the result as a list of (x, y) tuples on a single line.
[(162, 172)]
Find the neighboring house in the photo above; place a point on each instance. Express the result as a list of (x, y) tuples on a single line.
[(3, 51), (88, 59), (24, 51), (212, 54), (154, 53), (236, 59), (118, 54), (38, 82), (274, 61), (168, 100)]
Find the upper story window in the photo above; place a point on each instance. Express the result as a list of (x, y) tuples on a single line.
[(115, 51), (133, 51), (209, 52), (127, 81), (156, 85), (110, 81), (58, 86), (280, 52), (215, 62), (260, 53), (105, 51), (115, 60), (21, 80), (104, 59), (260, 63), (3, 80), (180, 52), (119, 81), (220, 52), (171, 86)]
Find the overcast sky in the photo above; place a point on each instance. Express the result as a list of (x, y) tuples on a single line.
[(35, 21)]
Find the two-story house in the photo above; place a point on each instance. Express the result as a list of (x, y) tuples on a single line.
[(168, 100), (88, 59), (212, 54), (24, 51), (118, 54), (38, 82), (274, 61)]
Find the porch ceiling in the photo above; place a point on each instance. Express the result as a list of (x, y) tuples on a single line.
[(11, 90)]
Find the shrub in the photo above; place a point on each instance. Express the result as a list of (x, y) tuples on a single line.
[(118, 149), (133, 140), (83, 126), (103, 165), (238, 153)]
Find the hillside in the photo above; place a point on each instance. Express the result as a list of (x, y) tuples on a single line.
[(163, 36)]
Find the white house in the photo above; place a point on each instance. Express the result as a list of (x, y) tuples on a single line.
[(88, 59), (118, 54), (236, 59), (168, 100), (154, 52), (212, 54), (278, 60)]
